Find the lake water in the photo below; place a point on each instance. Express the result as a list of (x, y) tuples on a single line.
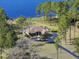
[(16, 8)]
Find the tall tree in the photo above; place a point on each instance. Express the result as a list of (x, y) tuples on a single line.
[(66, 11), (6, 37), (45, 8)]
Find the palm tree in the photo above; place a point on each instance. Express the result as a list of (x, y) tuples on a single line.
[(60, 8), (46, 8), (72, 14), (65, 10)]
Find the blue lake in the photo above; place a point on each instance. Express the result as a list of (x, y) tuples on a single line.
[(16, 8)]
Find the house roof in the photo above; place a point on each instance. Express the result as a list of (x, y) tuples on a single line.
[(33, 29)]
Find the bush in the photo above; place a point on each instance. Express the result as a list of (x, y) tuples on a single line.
[(55, 30), (20, 51), (76, 44), (78, 26), (24, 50)]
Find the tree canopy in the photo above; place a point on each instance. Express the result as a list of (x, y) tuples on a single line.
[(6, 36)]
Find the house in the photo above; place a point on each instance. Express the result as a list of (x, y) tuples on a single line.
[(34, 30)]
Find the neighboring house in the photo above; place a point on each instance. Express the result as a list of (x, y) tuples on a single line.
[(32, 30)]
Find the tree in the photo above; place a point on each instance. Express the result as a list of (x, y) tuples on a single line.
[(72, 14), (20, 20), (3, 30), (6, 36), (61, 9), (45, 8), (3, 13), (11, 38)]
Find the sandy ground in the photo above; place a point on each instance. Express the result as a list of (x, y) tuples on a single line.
[(49, 50)]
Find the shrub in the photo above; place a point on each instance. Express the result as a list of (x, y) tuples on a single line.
[(78, 25), (76, 43)]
